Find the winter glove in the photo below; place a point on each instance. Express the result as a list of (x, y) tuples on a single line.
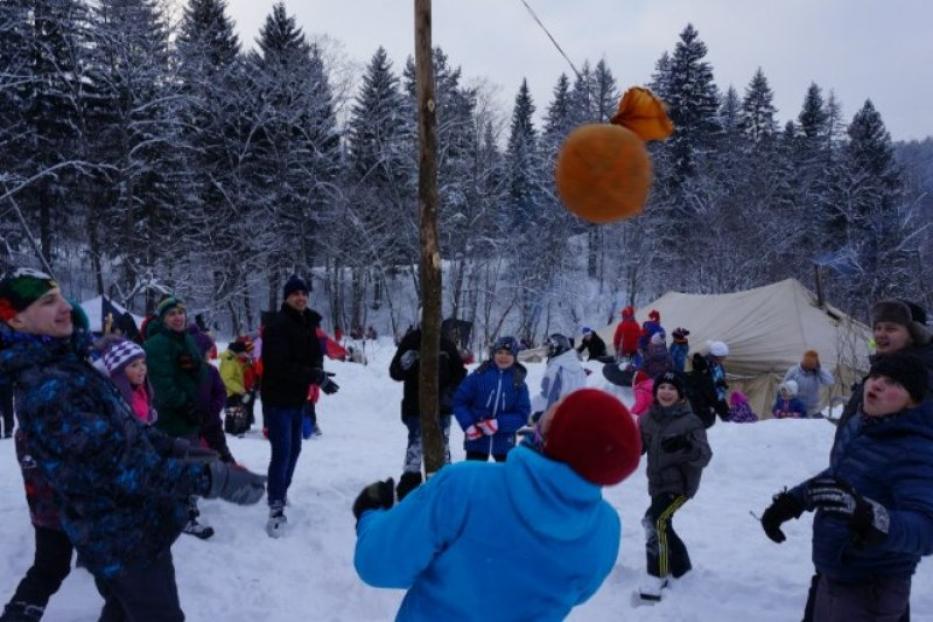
[(472, 433), (329, 387), (191, 452), (677, 443), (784, 507), (408, 482), (489, 427), (378, 495), (247, 398), (408, 359), (868, 519), (234, 484)]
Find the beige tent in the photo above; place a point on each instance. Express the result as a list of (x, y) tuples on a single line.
[(767, 330)]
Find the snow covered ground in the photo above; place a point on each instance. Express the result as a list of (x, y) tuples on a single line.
[(241, 575)]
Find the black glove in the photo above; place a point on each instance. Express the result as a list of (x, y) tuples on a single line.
[(328, 386), (868, 519), (375, 496), (677, 443), (191, 452), (408, 482), (234, 484), (784, 507)]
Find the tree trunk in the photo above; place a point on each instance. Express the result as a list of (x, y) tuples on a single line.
[(430, 272)]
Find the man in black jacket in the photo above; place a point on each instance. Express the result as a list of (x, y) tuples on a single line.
[(405, 368), (293, 360)]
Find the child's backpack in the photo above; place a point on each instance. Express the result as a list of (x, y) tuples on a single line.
[(236, 420)]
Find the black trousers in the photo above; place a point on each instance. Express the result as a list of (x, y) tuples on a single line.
[(666, 552), (51, 565), (142, 593), (6, 411), (482, 456), (811, 602)]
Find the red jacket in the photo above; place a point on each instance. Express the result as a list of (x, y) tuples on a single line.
[(626, 338)]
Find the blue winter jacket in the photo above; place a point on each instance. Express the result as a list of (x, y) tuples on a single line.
[(527, 539), (122, 497), (493, 393), (889, 460)]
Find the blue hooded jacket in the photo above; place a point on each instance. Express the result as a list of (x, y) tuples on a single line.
[(527, 539), (889, 460), (493, 393)]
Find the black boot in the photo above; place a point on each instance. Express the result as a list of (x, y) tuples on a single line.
[(408, 482), (20, 611)]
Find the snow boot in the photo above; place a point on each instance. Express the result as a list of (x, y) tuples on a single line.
[(193, 527), (196, 529), (651, 588), (408, 482), (21, 611), (275, 526)]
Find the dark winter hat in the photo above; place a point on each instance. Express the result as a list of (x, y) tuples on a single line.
[(594, 434), (120, 353), (586, 330), (295, 284), (908, 314), (680, 334), (237, 347), (906, 370), (505, 343), (672, 378), (167, 304), (21, 287)]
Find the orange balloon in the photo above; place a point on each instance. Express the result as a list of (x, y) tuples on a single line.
[(603, 173)]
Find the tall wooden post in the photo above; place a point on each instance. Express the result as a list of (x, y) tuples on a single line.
[(430, 272)]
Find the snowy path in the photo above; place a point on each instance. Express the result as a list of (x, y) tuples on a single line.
[(242, 576)]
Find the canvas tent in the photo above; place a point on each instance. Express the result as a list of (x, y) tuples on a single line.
[(767, 330), (99, 307)]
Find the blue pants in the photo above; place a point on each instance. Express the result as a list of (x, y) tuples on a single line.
[(285, 436)]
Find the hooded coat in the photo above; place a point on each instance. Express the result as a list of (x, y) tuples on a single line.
[(527, 539), (493, 393), (176, 371), (888, 460), (123, 498), (564, 374), (674, 472)]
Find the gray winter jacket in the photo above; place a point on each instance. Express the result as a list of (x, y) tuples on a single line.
[(808, 386), (675, 472)]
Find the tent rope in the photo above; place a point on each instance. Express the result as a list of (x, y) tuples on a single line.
[(551, 37)]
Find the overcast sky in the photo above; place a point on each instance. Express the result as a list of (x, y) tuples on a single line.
[(881, 49)]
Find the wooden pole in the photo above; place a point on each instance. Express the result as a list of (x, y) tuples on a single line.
[(430, 272)]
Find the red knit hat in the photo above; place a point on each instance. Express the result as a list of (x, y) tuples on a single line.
[(594, 434), (654, 315)]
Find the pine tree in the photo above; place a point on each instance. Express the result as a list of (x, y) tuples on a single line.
[(757, 115), (813, 115), (605, 93), (693, 101), (521, 160)]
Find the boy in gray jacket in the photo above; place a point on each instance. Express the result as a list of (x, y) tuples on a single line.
[(675, 441)]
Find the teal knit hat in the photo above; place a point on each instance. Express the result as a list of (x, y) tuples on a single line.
[(21, 287), (167, 305)]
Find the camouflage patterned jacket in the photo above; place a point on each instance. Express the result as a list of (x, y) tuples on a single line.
[(120, 493)]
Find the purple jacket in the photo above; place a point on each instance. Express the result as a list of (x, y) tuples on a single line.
[(212, 396)]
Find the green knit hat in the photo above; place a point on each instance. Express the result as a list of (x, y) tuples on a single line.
[(21, 287), (167, 305)]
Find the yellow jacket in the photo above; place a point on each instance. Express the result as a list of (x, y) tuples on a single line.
[(231, 372)]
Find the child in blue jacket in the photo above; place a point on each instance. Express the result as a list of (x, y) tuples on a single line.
[(493, 403), (525, 540), (874, 504)]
